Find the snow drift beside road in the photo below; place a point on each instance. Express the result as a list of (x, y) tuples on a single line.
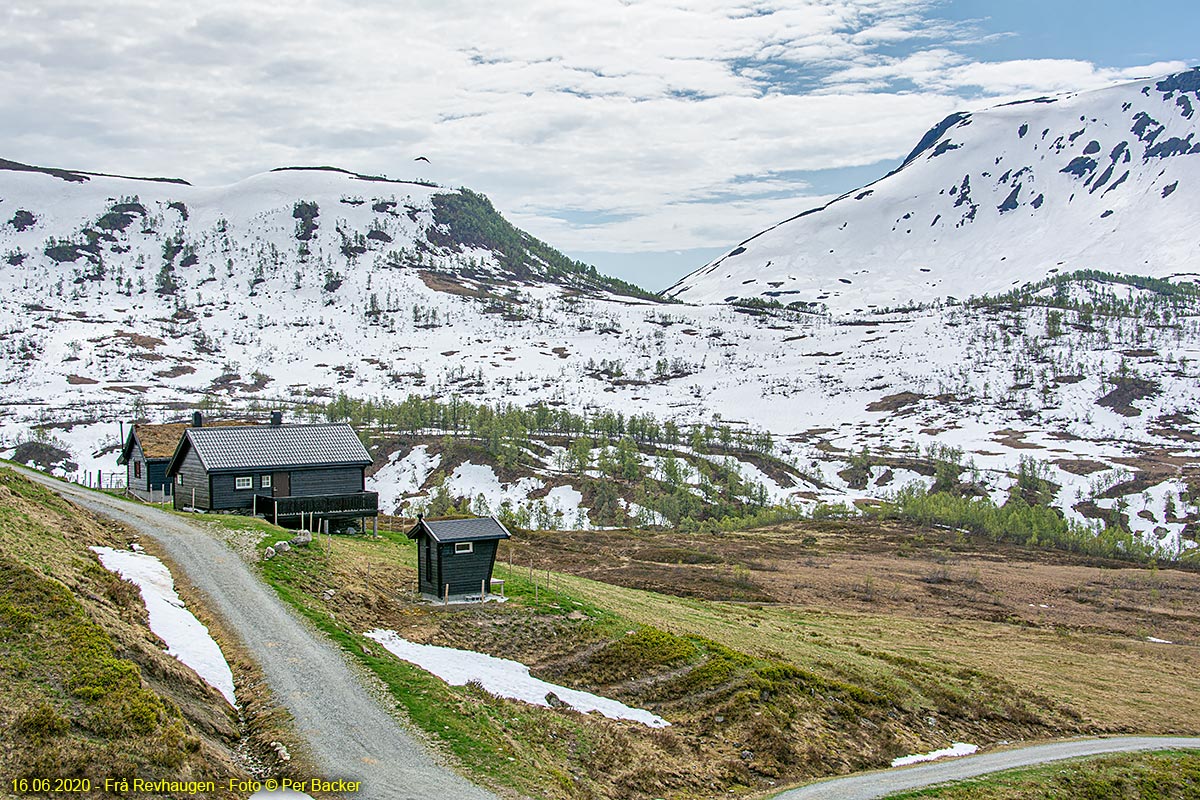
[(186, 637)]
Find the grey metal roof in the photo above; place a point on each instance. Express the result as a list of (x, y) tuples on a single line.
[(461, 530), (274, 447)]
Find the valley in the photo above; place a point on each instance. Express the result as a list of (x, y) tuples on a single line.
[(816, 510)]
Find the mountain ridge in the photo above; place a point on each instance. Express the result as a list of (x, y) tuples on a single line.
[(993, 182)]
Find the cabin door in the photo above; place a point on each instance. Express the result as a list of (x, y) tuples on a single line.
[(281, 484)]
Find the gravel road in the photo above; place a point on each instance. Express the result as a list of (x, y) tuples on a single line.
[(349, 735), (881, 784)]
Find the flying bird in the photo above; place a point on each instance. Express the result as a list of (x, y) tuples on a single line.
[(421, 158)]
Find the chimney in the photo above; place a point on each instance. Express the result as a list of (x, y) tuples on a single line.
[(197, 419), (276, 417)]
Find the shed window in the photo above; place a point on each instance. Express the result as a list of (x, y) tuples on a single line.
[(266, 481), (179, 479), (464, 547), (246, 482), (137, 469)]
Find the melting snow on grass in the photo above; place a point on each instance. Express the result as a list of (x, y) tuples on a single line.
[(504, 677), (472, 480), (186, 637), (956, 749), (403, 476)]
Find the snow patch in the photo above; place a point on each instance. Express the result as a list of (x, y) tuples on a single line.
[(403, 476), (955, 750), (186, 637), (504, 677), (471, 480)]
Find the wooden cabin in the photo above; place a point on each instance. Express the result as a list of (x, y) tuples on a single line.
[(147, 451), (455, 557), (145, 454), (298, 476)]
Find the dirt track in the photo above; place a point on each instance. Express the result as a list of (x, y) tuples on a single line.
[(350, 736)]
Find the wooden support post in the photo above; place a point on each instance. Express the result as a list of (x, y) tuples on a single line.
[(254, 506), (193, 498), (446, 595), (375, 527), (277, 514), (483, 590)]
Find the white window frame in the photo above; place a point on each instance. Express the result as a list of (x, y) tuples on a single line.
[(462, 548), (243, 482), (179, 479), (264, 481)]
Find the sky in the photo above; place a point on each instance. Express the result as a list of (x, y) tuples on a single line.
[(643, 136)]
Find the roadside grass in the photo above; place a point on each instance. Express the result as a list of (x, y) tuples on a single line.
[(757, 695), (1092, 682), (1162, 775), (506, 743), (84, 690)]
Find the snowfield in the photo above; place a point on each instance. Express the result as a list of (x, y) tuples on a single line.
[(1104, 180)]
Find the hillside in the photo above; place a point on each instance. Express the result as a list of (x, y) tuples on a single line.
[(87, 690), (483, 374), (1103, 180)]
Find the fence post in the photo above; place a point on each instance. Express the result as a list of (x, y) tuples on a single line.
[(446, 595), (482, 590)]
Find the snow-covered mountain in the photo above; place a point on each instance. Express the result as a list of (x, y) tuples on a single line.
[(1103, 180), (130, 298)]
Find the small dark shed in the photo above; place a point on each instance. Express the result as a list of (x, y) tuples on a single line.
[(455, 557)]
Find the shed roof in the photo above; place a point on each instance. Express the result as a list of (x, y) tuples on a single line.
[(263, 447), (460, 530)]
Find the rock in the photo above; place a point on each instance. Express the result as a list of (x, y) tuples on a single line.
[(135, 547), (554, 701), (269, 552), (747, 755), (282, 547), (301, 539), (577, 615), (281, 751)]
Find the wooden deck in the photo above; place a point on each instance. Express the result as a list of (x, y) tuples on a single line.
[(293, 510)]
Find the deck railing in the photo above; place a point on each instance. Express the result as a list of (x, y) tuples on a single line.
[(358, 504)]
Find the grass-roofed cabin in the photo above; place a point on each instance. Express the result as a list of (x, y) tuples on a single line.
[(147, 451), (309, 476), (145, 454), (455, 557)]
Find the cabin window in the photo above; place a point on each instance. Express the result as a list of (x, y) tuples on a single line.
[(464, 547), (266, 481), (179, 479), (246, 482), (137, 469)]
